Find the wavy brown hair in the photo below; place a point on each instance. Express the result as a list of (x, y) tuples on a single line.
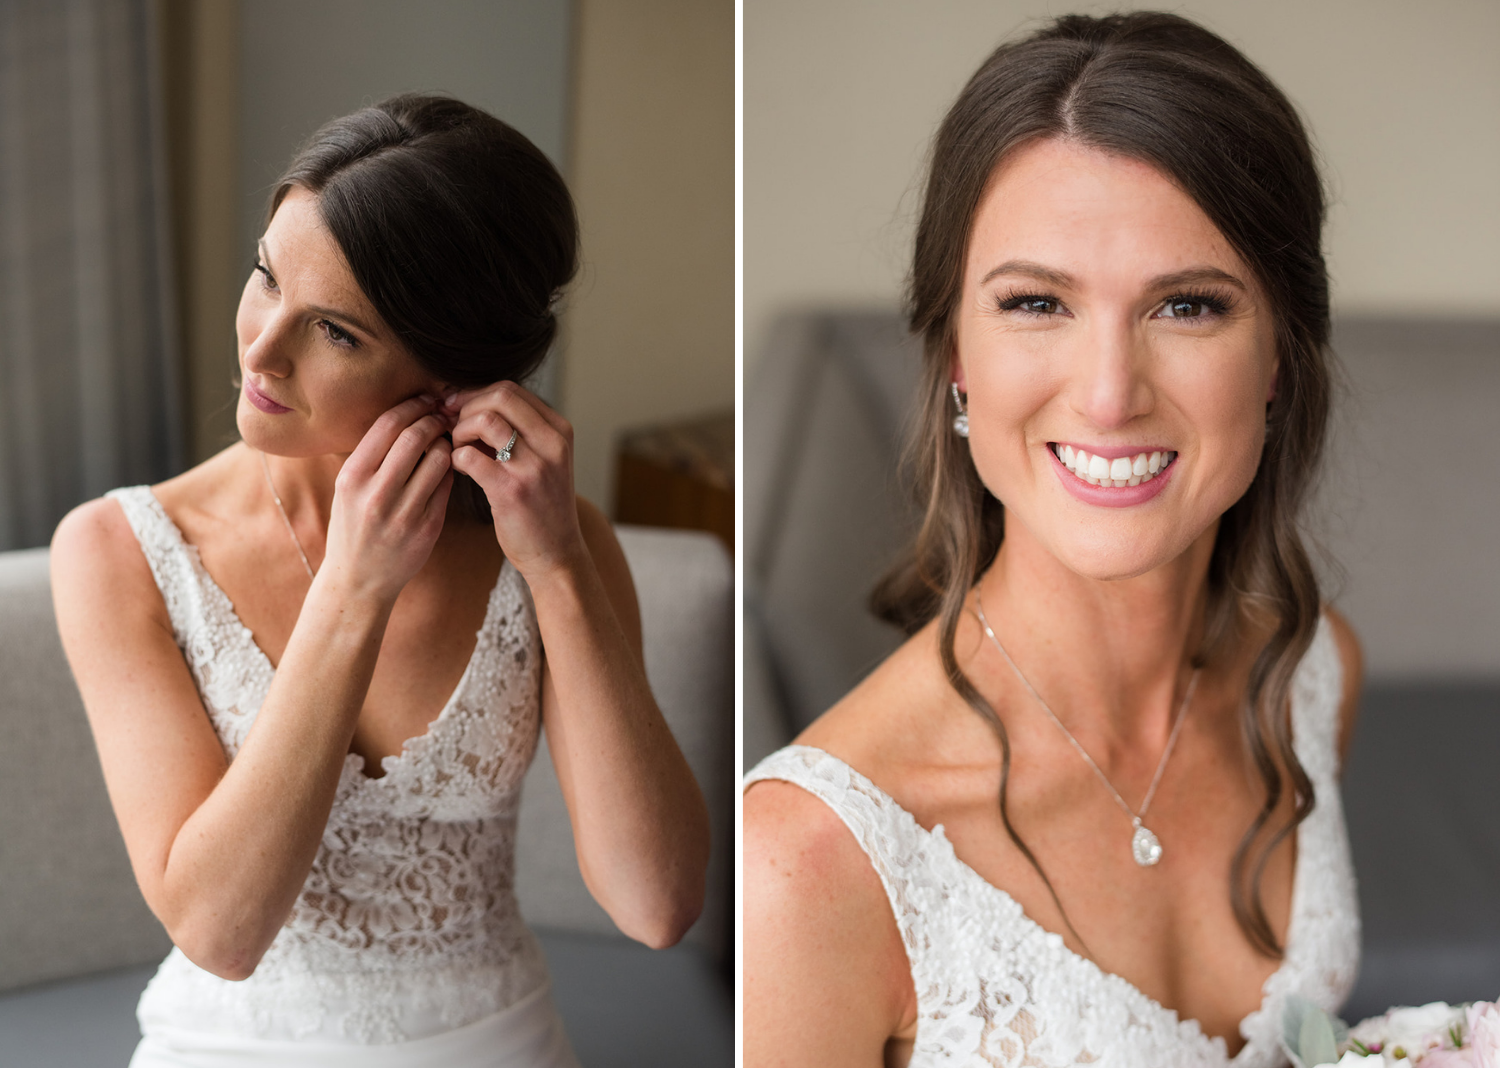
[(1160, 89)]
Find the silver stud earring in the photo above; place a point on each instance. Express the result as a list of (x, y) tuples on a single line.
[(961, 420)]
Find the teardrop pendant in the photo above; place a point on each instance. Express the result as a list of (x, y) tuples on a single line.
[(961, 424), (1145, 846)]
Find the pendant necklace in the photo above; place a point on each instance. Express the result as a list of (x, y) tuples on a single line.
[(1144, 845), (295, 540)]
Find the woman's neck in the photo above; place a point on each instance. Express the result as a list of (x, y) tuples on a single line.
[(305, 485), (1111, 655)]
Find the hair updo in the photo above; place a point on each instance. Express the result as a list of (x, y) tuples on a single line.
[(458, 230), (1160, 89)]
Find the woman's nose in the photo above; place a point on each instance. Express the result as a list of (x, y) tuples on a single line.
[(266, 351), (1110, 387)]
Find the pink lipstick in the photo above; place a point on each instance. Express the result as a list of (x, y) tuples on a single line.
[(263, 402), (1110, 493)]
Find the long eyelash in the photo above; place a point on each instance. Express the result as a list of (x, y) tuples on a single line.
[(1013, 299), (266, 279), (1217, 303), (345, 340)]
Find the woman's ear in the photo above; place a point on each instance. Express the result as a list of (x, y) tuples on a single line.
[(956, 373), (1275, 374)]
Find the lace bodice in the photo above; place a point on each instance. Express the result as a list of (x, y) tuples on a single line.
[(408, 924), (995, 988)]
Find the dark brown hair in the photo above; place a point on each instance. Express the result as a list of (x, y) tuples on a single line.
[(460, 232), (1160, 89)]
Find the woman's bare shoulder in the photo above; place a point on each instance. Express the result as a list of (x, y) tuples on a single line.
[(825, 972), (897, 717), (204, 485)]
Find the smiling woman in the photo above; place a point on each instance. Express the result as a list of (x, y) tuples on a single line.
[(313, 664), (1119, 286)]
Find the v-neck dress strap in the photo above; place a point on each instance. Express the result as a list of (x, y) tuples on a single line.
[(995, 988), (230, 671), (407, 927)]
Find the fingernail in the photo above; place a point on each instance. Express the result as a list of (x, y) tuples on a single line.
[(450, 399)]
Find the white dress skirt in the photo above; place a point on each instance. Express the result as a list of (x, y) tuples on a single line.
[(528, 1034)]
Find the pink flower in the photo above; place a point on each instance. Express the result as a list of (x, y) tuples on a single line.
[(1484, 1034), (1451, 1058)]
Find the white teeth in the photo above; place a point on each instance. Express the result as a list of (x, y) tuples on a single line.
[(1119, 472)]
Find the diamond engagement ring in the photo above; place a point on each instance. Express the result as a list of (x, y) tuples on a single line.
[(504, 454)]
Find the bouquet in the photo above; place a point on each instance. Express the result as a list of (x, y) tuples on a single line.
[(1438, 1035)]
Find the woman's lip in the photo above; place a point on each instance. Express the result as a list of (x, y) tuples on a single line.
[(1112, 496), (263, 402), (1114, 452)]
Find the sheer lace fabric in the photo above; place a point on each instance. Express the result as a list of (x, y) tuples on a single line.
[(407, 925), (995, 988)]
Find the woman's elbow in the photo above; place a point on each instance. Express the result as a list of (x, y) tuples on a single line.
[(210, 949), (665, 925)]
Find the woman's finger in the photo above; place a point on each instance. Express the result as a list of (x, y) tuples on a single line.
[(485, 425), (408, 449), (373, 448), (556, 421), (424, 481), (536, 432)]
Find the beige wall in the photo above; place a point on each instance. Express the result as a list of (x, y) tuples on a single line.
[(1402, 99), (649, 326), (200, 60)]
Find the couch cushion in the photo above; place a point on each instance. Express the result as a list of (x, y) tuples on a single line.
[(68, 900)]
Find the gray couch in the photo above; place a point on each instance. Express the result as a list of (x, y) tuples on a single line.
[(77, 943), (1410, 558)]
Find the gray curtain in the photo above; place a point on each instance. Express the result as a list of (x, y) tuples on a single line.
[(89, 395)]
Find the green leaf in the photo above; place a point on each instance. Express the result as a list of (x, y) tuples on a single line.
[(1316, 1043)]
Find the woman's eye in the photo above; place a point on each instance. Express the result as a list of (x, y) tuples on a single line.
[(1030, 304), (1192, 308), (337, 334), (265, 276)]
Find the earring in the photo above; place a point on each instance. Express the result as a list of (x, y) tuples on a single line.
[(961, 420)]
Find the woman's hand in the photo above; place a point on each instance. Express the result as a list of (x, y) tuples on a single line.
[(531, 494), (390, 499)]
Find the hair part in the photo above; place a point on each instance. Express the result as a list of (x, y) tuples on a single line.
[(1160, 89), (458, 230)]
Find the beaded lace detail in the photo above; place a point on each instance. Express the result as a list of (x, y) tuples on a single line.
[(408, 923), (995, 988)]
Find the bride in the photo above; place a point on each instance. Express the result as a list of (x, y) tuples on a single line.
[(1089, 811), (314, 664)]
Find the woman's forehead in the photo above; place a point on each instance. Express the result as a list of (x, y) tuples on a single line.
[(306, 259), (1094, 217)]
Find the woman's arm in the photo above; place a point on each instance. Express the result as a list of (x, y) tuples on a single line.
[(221, 849), (639, 822), (1352, 657), (827, 981)]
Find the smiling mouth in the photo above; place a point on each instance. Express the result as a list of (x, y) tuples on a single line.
[(1121, 471)]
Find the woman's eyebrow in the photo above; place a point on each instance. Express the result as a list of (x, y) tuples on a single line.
[(1061, 279), (1194, 275), (1041, 273)]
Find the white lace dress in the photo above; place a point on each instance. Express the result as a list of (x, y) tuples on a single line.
[(406, 946), (995, 988)]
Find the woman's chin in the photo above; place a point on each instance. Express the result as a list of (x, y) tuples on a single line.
[(1116, 559), (263, 434)]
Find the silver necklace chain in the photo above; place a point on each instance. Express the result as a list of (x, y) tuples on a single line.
[(1144, 845), (289, 529)]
